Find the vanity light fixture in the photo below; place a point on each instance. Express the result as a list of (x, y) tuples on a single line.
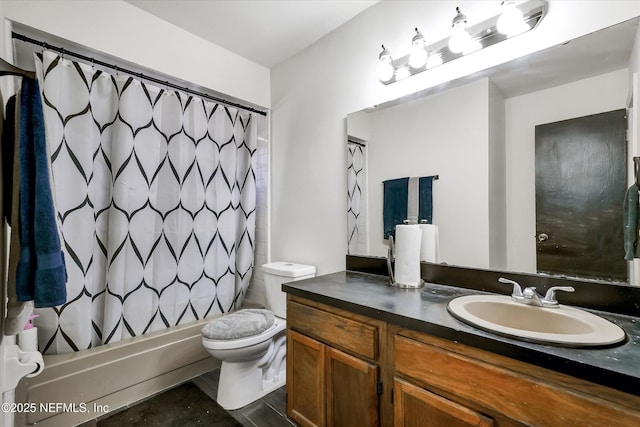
[(516, 18)]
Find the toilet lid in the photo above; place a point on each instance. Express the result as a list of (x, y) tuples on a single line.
[(239, 324)]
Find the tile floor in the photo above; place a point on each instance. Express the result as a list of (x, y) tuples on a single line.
[(182, 406), (267, 412)]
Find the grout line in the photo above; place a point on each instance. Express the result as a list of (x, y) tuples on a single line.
[(275, 409), (242, 418)]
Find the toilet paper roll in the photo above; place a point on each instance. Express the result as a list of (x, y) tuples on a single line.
[(28, 340), (407, 266), (33, 358), (430, 246)]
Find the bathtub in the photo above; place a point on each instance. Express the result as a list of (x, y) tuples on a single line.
[(78, 387)]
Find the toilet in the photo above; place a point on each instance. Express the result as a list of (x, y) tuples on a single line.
[(251, 343)]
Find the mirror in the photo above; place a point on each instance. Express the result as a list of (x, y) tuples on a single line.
[(477, 134)]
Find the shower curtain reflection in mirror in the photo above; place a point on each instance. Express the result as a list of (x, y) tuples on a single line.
[(155, 193), (356, 197)]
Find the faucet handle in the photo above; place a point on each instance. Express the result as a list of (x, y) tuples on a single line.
[(550, 296), (517, 290)]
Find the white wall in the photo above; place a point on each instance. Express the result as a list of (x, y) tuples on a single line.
[(314, 91), (122, 30), (359, 125), (634, 61), (598, 94), (428, 129), (497, 181), (634, 83)]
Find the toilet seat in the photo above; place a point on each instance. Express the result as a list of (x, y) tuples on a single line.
[(278, 326)]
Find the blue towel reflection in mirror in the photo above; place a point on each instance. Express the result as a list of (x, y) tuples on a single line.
[(407, 199)]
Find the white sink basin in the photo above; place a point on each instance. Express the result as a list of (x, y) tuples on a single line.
[(561, 326)]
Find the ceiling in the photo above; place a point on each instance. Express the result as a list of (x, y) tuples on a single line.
[(266, 32)]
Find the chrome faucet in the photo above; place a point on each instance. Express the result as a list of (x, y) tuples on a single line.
[(530, 296)]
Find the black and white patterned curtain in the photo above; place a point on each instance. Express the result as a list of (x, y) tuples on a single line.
[(356, 204), (156, 194)]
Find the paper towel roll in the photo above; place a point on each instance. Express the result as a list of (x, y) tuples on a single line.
[(430, 246), (407, 267)]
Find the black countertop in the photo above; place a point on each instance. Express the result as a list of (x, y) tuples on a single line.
[(425, 310)]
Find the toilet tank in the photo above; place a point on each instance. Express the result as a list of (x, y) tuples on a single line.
[(277, 273)]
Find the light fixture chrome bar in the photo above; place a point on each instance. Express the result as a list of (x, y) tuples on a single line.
[(486, 33)]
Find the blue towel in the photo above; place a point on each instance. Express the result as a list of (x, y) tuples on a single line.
[(41, 274), (425, 199), (395, 201), (394, 204), (8, 144)]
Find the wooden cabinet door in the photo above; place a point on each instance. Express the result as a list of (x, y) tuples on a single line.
[(305, 380), (417, 407), (352, 391)]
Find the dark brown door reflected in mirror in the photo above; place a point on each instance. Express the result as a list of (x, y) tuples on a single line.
[(580, 189)]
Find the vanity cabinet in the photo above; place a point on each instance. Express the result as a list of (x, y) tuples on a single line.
[(483, 389), (345, 369), (333, 367)]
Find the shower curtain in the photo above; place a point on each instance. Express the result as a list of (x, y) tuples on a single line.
[(356, 202), (155, 194)]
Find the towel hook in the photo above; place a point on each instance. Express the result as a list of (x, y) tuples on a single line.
[(636, 169)]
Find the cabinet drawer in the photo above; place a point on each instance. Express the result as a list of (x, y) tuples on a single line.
[(514, 394), (414, 403), (339, 331)]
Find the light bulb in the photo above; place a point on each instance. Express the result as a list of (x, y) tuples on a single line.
[(459, 35), (418, 58), (510, 21), (385, 66), (419, 55), (385, 71), (459, 40)]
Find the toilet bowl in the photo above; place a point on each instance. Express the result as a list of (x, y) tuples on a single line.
[(252, 343)]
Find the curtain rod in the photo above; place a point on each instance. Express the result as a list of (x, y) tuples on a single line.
[(63, 51)]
